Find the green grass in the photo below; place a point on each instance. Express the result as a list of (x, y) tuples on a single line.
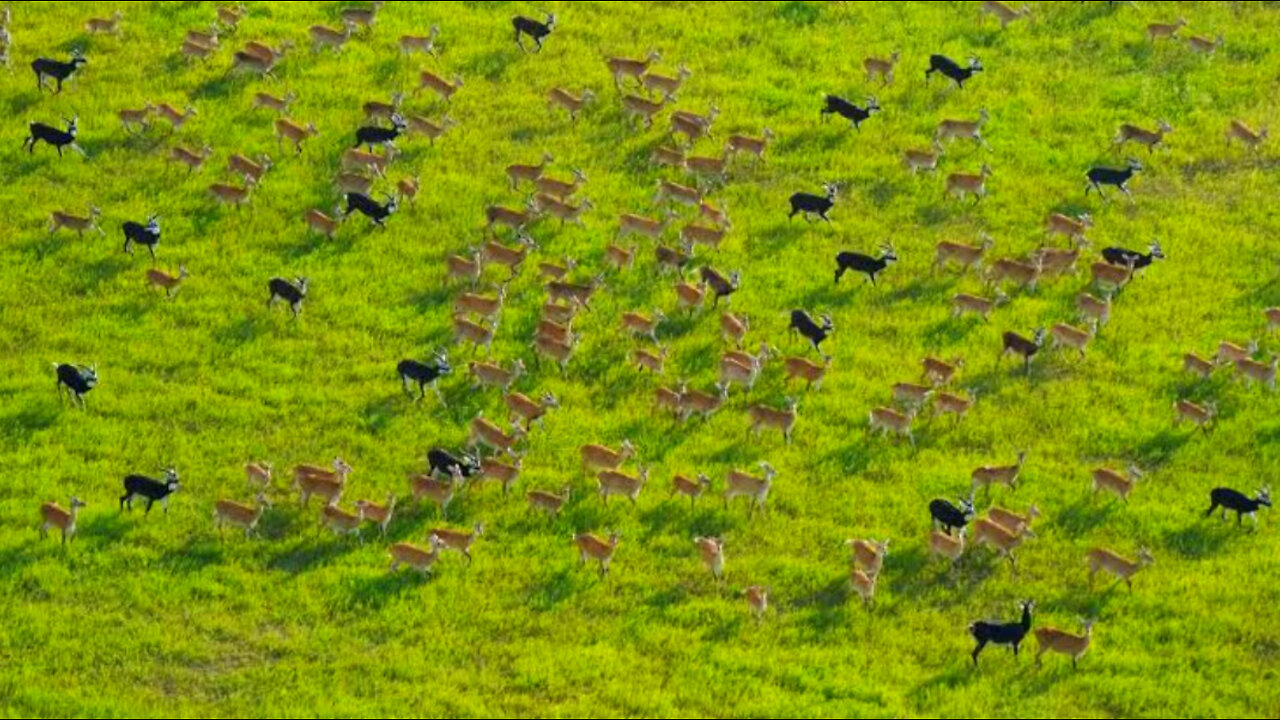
[(156, 617)]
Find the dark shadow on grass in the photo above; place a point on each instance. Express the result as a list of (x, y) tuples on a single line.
[(373, 593), (318, 550), (1083, 516), (20, 425), (1203, 538)]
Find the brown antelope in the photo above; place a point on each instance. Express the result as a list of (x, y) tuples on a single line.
[(621, 68), (486, 306), (1101, 559), (994, 535), (500, 472), (619, 257), (693, 125), (560, 189), (229, 16), (1110, 277), (559, 332), (668, 399), (1025, 274), (1152, 139), (946, 403), (1205, 45), (441, 492), (1193, 363), (561, 210), (415, 557), (752, 362), (1199, 415), (639, 324), (529, 410), (940, 372), (547, 502), (229, 512), (757, 601), (1013, 522), (517, 173), (490, 375), (59, 219), (962, 130), (966, 256), (736, 145), (783, 420), (734, 327), (341, 522), (323, 36), (918, 160), (251, 171), (643, 109), (1114, 482), (410, 44), (864, 584), (911, 395), (480, 336), (174, 116), (592, 547), (107, 26), (798, 368), (868, 555), (312, 480), (232, 195), (170, 283), (1065, 335), (599, 457), (258, 473), (1056, 261), (355, 159), (689, 297), (1156, 31), (323, 224), (988, 475), (708, 168), (407, 188), (565, 100), (1072, 228), (379, 110), (550, 270), (495, 253), (208, 38), (887, 420), (711, 549), (428, 80), (193, 159), (613, 482), (667, 85), (1094, 310), (273, 102), (428, 128), (459, 267), (692, 488), (1064, 643), (578, 294), (1253, 371), (458, 540), (1252, 139), (754, 488), (675, 192), (961, 184), (559, 352), (1273, 318), (669, 157), (515, 219), (197, 51), (352, 182), (136, 119), (944, 545), (718, 216), (247, 61), (362, 17), (671, 259), (293, 132), (702, 403), (629, 224), (1004, 13), (1229, 353), (881, 67), (265, 52), (966, 304), (54, 515)]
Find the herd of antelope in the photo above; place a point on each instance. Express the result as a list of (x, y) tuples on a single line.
[(545, 190)]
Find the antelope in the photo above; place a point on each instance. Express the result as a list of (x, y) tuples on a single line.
[(669, 191), (961, 184), (132, 119), (495, 253), (273, 102), (560, 189), (798, 368), (918, 160), (501, 472), (54, 515), (170, 283), (591, 546), (1072, 228), (409, 44), (1237, 130), (59, 219), (669, 258), (1273, 318), (1065, 335), (1199, 415), (231, 15), (599, 457), (1013, 522), (428, 80), (295, 133), (323, 36), (561, 210), (193, 159), (1093, 309), (953, 404), (966, 256), (962, 129), (528, 173), (1058, 261), (666, 84), (414, 556), (621, 68), (747, 145), (556, 271), (485, 306), (1253, 371), (352, 182), (531, 411), (363, 17), (176, 118), (911, 395), (557, 332), (881, 67), (643, 325), (107, 26), (1004, 13), (693, 121), (708, 168), (575, 293), (868, 555), (943, 545), (766, 417), (690, 488), (1229, 353), (643, 109), (620, 257), (964, 303), (251, 171), (339, 473), (378, 110), (887, 420), (668, 399), (353, 159), (1025, 274), (1114, 482), (1205, 45), (407, 188), (573, 104), (612, 482), (441, 492), (326, 488), (230, 194), (198, 51), (1156, 31), (478, 335), (734, 327), (757, 601), (717, 216), (670, 157), (459, 267), (940, 372), (490, 375), (1027, 349), (629, 224), (546, 502), (1101, 559), (689, 296), (340, 521), (998, 538), (704, 404), (712, 551), (986, 476), (228, 512), (1111, 277), (427, 127), (1064, 643), (865, 585), (559, 352), (207, 38), (323, 224), (1150, 138), (515, 219), (1193, 363), (756, 489)]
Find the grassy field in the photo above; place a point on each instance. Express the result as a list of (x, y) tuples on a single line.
[(155, 616)]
